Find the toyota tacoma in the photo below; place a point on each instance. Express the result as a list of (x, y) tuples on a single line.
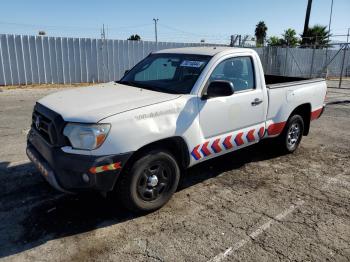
[(174, 109)]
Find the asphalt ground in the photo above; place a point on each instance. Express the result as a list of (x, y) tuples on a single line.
[(250, 205)]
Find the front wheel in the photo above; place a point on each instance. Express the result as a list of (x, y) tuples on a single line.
[(290, 138), (151, 181)]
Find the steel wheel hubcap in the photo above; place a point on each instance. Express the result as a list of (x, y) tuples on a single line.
[(293, 134), (154, 181)]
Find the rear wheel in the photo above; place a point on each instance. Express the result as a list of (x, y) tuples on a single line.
[(151, 181), (292, 134)]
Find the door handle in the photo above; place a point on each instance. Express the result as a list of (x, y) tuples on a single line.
[(256, 102)]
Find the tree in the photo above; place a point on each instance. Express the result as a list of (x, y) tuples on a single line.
[(260, 33), (135, 38), (290, 38), (316, 37), (274, 41)]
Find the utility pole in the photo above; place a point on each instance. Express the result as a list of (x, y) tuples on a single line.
[(155, 28), (329, 32), (103, 43), (330, 20), (103, 33), (307, 17)]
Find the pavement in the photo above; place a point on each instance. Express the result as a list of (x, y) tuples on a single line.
[(335, 83), (253, 204)]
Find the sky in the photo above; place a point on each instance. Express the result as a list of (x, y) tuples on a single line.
[(179, 20)]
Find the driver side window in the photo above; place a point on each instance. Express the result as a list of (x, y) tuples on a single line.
[(238, 70)]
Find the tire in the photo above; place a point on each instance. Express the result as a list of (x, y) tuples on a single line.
[(150, 183), (289, 140)]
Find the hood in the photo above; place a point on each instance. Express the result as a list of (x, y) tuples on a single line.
[(91, 104)]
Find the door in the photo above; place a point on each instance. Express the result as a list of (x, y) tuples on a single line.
[(243, 109)]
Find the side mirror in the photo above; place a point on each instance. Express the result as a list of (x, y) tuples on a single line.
[(219, 88), (126, 71)]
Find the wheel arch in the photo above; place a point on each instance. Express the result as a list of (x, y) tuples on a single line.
[(176, 145), (304, 110)]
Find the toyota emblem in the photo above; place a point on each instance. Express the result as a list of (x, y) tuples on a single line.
[(37, 122)]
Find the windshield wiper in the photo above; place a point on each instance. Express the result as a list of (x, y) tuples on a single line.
[(145, 86), (129, 83), (135, 84)]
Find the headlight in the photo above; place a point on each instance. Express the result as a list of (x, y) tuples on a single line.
[(85, 136)]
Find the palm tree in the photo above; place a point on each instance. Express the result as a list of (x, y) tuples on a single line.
[(290, 38), (260, 33), (316, 37)]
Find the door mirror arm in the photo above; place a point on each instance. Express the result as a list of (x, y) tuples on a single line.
[(204, 96)]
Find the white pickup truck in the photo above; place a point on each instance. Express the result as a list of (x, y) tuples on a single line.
[(174, 109)]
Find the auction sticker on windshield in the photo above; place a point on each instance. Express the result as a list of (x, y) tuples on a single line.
[(189, 63)]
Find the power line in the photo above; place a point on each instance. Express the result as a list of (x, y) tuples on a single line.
[(122, 29), (178, 30), (190, 33), (133, 26)]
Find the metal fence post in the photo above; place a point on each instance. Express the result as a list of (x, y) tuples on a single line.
[(312, 61), (342, 66), (344, 55), (285, 62), (267, 55)]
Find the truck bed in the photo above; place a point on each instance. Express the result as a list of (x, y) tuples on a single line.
[(276, 81), (287, 93)]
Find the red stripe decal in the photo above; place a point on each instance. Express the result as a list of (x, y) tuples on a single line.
[(261, 132), (238, 139), (195, 153), (276, 128), (227, 142), (315, 114), (250, 136), (205, 149), (117, 165), (215, 146), (92, 170)]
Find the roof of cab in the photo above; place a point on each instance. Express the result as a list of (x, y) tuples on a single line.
[(200, 50)]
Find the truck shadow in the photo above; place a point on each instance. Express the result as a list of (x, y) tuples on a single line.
[(33, 213)]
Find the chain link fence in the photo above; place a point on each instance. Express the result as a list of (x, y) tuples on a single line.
[(332, 64)]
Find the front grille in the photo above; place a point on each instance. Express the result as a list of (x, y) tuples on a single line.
[(49, 124), (44, 126)]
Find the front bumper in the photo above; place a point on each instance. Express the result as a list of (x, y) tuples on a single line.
[(71, 172)]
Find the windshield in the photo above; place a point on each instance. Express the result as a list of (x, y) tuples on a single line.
[(170, 73)]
